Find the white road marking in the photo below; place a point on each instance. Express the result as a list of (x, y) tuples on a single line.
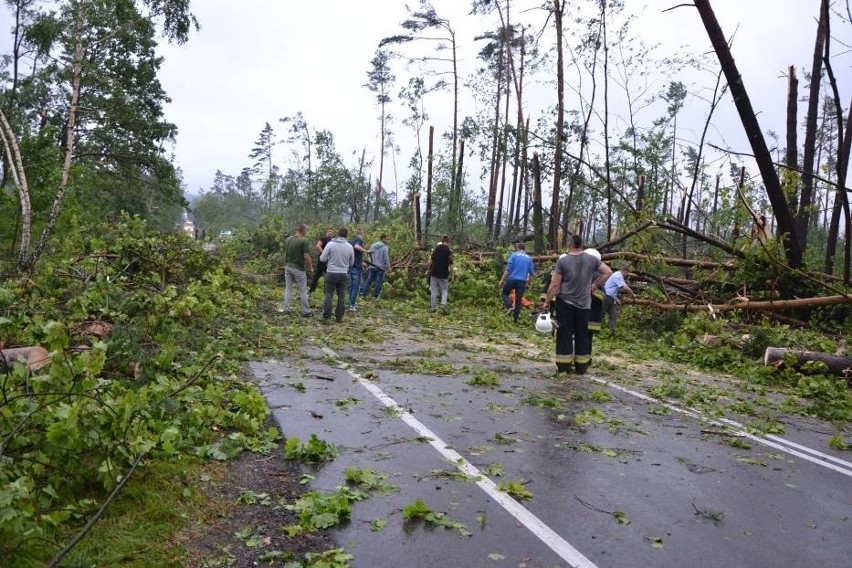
[(776, 442), (544, 533)]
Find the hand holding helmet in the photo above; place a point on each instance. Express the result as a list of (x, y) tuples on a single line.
[(544, 323)]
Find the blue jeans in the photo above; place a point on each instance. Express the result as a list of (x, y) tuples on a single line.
[(519, 287), (376, 275), (354, 285)]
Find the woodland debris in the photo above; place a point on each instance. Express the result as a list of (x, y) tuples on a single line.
[(839, 365)]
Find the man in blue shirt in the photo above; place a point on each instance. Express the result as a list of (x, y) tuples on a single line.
[(519, 270), (357, 268), (379, 265), (612, 287)]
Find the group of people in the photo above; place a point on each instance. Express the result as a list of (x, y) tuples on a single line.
[(582, 289), (340, 262)]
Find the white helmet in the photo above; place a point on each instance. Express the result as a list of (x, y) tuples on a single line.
[(543, 323), (593, 252)]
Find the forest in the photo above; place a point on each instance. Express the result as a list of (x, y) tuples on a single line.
[(129, 326)]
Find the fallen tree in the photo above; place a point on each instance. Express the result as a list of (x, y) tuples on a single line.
[(745, 304), (839, 365)]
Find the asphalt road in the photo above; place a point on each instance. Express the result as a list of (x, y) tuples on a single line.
[(617, 479)]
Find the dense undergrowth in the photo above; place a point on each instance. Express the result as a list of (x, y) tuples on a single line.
[(162, 392), (164, 385)]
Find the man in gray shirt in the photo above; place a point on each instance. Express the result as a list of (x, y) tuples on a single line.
[(339, 257), (570, 288)]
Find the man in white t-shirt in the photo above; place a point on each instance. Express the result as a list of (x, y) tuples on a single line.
[(611, 288)]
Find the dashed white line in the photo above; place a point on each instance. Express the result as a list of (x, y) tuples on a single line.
[(776, 442), (544, 533)]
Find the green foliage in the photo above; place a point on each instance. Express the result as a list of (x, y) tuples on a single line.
[(335, 558), (162, 384), (418, 510), (516, 489), (484, 377), (368, 480), (312, 451), (322, 510)]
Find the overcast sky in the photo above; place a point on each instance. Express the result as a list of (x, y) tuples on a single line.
[(256, 61)]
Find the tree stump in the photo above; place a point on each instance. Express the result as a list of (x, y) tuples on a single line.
[(838, 365)]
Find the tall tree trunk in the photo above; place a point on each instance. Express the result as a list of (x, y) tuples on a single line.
[(607, 164), (504, 148), (538, 227), (841, 202), (558, 11), (456, 215), (428, 217), (786, 223), (806, 197), (495, 142), (525, 179), (12, 155), (355, 191), (12, 93), (455, 191), (517, 172), (792, 119)]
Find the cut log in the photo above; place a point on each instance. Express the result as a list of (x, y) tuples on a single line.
[(36, 357), (837, 364)]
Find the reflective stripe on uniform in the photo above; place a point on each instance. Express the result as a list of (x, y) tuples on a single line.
[(582, 359), (562, 358)]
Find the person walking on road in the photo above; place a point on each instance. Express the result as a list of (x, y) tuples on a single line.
[(339, 257), (379, 265), (613, 286), (297, 264), (519, 270), (321, 266), (357, 268), (440, 267), (571, 291)]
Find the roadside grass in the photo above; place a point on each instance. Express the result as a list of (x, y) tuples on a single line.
[(149, 522)]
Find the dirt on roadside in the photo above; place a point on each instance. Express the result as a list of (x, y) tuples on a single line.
[(246, 515)]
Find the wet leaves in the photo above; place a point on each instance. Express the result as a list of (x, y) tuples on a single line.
[(418, 510), (516, 489), (314, 450)]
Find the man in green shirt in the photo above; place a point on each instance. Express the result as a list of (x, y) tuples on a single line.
[(297, 263)]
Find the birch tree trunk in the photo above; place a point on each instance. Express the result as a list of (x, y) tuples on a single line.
[(28, 263)]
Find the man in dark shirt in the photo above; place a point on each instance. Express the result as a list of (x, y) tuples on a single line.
[(440, 268), (321, 266)]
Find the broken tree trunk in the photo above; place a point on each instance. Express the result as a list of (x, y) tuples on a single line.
[(838, 365)]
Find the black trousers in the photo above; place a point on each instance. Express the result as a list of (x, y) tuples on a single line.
[(318, 273), (573, 349)]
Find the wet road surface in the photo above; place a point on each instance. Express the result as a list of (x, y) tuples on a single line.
[(617, 479)]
